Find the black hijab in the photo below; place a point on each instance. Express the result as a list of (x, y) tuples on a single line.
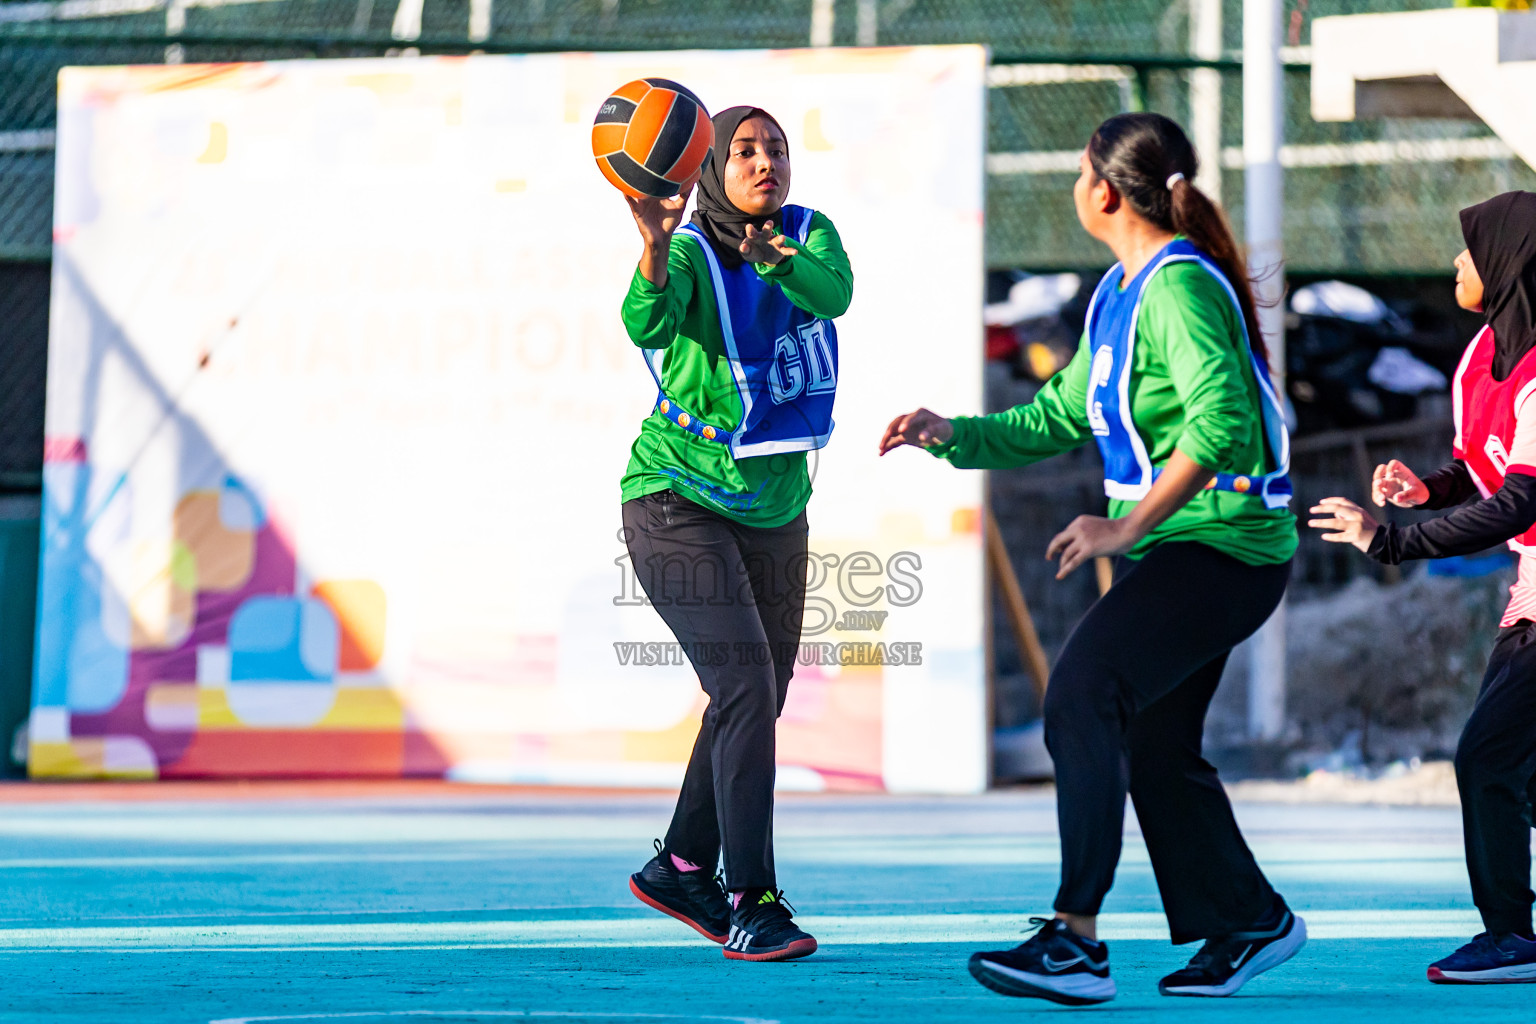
[(721, 220), (1501, 236)]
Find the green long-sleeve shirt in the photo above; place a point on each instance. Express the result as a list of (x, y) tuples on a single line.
[(684, 318), (1192, 389)]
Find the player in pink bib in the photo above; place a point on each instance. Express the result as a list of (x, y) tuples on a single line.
[(1495, 451), (1490, 443)]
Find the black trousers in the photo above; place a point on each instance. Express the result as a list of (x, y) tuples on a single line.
[(734, 596), (1125, 710), (1496, 775)]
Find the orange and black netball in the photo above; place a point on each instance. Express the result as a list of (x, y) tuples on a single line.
[(650, 137)]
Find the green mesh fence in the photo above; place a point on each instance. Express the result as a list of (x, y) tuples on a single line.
[(1366, 197), (1362, 198)]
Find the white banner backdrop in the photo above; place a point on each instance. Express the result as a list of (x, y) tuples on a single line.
[(339, 399)]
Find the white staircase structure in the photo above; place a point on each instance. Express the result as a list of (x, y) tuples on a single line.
[(1473, 63)]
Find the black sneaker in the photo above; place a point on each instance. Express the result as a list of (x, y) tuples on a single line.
[(762, 929), (693, 897), (1054, 964), (1488, 960), (1225, 964)]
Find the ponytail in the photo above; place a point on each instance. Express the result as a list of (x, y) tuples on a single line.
[(1202, 222), (1150, 162)]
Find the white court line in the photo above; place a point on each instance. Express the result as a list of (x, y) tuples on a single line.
[(182, 861), (649, 932), (493, 1013)]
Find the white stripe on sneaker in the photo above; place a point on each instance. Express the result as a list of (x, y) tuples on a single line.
[(1081, 985)]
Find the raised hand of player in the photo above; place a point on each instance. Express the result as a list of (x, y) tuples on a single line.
[(1351, 523), (657, 219), (765, 246), (921, 429), (1398, 484), (1089, 537)]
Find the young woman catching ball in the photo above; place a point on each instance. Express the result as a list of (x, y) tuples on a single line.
[(734, 313)]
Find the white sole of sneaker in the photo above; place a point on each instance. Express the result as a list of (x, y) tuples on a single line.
[(1071, 989), (1272, 955), (1497, 976)]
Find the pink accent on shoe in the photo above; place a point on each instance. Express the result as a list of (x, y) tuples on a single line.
[(683, 865), (736, 895)]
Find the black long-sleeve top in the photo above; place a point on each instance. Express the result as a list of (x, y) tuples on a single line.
[(1483, 524)]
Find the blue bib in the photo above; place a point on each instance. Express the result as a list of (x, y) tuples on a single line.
[(783, 359), (1112, 312)]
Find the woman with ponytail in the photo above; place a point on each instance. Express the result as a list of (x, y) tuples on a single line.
[(1172, 382)]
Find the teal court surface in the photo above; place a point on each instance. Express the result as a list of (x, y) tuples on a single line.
[(454, 904)]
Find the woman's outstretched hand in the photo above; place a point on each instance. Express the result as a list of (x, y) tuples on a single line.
[(921, 429), (1351, 523), (1398, 484), (1089, 537), (765, 246)]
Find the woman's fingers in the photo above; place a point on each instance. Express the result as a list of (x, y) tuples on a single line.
[(1350, 523), (1379, 489), (1059, 543), (914, 428), (895, 433), (1071, 558), (1337, 514)]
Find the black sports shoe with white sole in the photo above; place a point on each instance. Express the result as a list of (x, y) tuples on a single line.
[(693, 897), (762, 928), (1053, 964), (1226, 964)]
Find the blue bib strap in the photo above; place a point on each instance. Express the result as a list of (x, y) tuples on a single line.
[(691, 423), (1274, 488)]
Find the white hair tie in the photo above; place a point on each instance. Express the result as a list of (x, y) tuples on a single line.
[(1175, 176)]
